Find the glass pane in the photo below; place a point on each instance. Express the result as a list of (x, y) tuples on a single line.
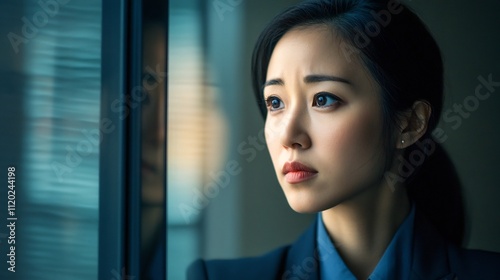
[(200, 144), (185, 133), (55, 49)]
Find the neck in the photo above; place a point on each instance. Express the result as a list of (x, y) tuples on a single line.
[(362, 228)]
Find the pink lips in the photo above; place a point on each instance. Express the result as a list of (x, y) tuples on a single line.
[(296, 172)]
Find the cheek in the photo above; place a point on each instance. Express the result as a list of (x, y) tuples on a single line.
[(270, 133), (352, 143)]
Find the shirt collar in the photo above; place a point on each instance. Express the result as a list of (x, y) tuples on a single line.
[(394, 264)]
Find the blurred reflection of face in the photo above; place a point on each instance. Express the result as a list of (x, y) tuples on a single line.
[(324, 121), (153, 123)]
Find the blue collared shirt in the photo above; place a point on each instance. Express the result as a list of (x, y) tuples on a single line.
[(394, 264)]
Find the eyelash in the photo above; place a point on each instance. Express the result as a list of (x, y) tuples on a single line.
[(336, 99), (269, 104)]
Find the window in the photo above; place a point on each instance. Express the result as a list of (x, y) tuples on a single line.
[(55, 61)]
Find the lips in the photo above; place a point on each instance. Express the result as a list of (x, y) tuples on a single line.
[(296, 172)]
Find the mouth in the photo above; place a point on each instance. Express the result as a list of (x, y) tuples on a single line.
[(296, 172)]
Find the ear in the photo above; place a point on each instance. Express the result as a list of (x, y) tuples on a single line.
[(414, 123)]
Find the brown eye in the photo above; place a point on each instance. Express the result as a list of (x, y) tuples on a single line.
[(274, 103), (324, 99)]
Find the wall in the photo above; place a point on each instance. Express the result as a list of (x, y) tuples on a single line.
[(468, 36)]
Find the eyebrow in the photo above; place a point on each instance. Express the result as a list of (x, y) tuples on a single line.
[(274, 82), (310, 79), (324, 78)]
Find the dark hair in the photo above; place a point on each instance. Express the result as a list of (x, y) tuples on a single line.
[(405, 60)]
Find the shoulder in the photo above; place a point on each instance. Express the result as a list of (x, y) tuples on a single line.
[(434, 257), (267, 266), (474, 264), (273, 265)]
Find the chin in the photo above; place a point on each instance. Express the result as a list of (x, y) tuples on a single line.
[(304, 210), (307, 203)]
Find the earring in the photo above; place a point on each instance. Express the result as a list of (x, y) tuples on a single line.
[(402, 141)]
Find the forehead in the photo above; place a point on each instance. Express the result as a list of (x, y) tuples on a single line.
[(316, 49)]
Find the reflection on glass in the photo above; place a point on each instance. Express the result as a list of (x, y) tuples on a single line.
[(153, 151)]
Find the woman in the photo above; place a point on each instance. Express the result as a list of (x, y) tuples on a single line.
[(351, 91)]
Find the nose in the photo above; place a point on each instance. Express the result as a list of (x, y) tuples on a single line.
[(153, 119), (294, 133)]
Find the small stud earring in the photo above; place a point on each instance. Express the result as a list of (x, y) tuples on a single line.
[(402, 141)]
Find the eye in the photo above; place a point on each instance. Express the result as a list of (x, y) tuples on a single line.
[(273, 103), (324, 99)]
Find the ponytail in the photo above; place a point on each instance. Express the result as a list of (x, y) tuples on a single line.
[(437, 193)]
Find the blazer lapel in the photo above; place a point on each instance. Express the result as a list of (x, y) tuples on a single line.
[(430, 259), (302, 260)]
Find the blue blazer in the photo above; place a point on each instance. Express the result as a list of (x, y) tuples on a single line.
[(433, 259)]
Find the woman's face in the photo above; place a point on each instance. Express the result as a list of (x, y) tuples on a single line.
[(324, 121)]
